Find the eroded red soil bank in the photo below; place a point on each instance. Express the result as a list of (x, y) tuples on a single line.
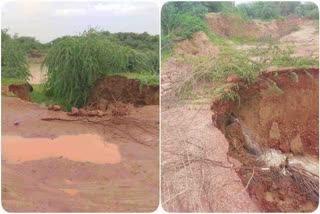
[(111, 89), (278, 113)]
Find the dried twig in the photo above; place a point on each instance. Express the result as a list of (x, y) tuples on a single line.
[(250, 179)]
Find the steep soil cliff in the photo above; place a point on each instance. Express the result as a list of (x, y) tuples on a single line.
[(274, 124)]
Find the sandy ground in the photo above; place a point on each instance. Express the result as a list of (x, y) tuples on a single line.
[(189, 183), (65, 184), (305, 41), (197, 174)]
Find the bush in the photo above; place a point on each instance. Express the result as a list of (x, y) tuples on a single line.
[(270, 11), (188, 24), (313, 14), (14, 62), (75, 63), (183, 27)]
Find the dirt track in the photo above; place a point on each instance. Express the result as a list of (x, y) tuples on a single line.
[(58, 184), (193, 184)]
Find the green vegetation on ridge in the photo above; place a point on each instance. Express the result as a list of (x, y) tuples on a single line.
[(179, 20), (246, 64)]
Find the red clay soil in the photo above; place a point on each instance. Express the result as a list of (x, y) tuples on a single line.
[(281, 110), (292, 105), (66, 183), (111, 89)]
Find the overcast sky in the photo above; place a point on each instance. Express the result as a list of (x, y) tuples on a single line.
[(47, 20)]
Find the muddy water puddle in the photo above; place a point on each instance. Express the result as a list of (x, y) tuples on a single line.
[(83, 148)]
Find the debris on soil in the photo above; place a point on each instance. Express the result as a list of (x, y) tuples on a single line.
[(50, 107), (101, 113), (74, 111), (197, 174), (82, 112), (56, 108), (93, 113), (120, 109)]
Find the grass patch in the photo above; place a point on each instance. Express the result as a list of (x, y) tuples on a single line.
[(8, 81), (217, 39), (239, 41), (220, 40), (38, 96), (144, 77)]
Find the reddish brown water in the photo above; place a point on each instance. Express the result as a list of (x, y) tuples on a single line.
[(83, 148)]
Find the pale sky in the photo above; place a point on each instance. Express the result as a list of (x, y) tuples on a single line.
[(47, 20)]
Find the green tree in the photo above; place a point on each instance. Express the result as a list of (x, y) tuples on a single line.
[(270, 10), (14, 62)]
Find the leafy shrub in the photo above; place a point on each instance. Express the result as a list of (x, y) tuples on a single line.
[(14, 62), (188, 24), (270, 11), (75, 63), (142, 41), (181, 20), (313, 14)]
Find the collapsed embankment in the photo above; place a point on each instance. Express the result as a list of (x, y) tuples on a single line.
[(107, 90), (273, 128), (111, 89)]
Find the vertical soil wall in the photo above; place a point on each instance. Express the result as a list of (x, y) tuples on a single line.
[(280, 113)]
